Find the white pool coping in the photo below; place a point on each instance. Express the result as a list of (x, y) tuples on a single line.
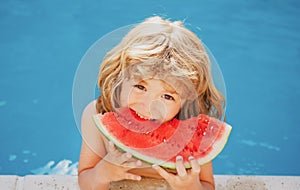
[(223, 182)]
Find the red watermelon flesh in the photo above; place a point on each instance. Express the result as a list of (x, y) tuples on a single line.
[(202, 137)]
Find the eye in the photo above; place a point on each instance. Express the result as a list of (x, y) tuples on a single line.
[(140, 87), (168, 97)]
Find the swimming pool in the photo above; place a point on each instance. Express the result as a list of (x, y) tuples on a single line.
[(256, 44)]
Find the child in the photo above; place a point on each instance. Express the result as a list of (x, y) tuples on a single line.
[(160, 70)]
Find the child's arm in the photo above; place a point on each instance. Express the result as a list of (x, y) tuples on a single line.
[(93, 171), (194, 179), (100, 175), (88, 177)]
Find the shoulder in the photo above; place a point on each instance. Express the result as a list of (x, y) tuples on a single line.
[(87, 115), (89, 131), (87, 123), (93, 147), (89, 110)]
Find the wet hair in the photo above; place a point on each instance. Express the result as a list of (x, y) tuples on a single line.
[(158, 48)]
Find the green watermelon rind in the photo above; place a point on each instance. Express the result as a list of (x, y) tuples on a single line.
[(218, 146)]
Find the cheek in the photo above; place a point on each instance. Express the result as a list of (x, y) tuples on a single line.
[(127, 97), (176, 109), (172, 111), (125, 92), (124, 97)]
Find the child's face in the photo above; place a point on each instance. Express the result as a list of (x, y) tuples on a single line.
[(151, 99)]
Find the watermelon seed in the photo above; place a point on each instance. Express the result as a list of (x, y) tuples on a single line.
[(129, 122), (204, 133), (164, 140)]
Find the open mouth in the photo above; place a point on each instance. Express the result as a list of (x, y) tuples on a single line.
[(139, 116)]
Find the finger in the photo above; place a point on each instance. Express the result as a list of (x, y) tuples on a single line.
[(111, 146), (132, 164), (162, 172), (139, 163), (132, 176), (145, 165), (124, 157), (112, 149), (181, 171), (195, 166)]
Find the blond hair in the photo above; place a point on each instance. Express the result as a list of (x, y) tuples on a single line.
[(164, 49)]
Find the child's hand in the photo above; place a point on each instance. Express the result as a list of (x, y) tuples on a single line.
[(184, 178), (115, 165)]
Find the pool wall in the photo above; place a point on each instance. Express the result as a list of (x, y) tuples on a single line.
[(223, 182)]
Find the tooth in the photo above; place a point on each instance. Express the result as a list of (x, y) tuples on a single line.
[(141, 116)]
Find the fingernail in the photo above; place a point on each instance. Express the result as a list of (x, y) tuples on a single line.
[(128, 155), (154, 166), (138, 163), (178, 158), (138, 178), (191, 158)]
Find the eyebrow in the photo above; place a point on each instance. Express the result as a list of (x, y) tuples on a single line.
[(143, 82)]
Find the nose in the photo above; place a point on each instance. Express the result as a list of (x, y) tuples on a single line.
[(155, 107)]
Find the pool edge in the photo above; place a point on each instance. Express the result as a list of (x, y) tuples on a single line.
[(223, 182)]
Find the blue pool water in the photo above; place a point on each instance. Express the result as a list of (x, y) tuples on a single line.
[(256, 44)]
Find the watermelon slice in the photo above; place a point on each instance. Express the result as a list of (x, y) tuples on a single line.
[(202, 137)]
